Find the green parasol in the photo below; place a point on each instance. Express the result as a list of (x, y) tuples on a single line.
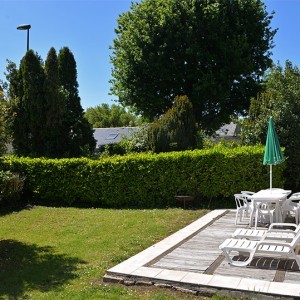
[(273, 154)]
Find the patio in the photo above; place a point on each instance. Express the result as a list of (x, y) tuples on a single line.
[(190, 261)]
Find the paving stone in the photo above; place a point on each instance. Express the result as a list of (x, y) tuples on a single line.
[(112, 279), (188, 291), (142, 282), (129, 282), (163, 285)]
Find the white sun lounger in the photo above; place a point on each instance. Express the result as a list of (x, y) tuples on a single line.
[(261, 248), (277, 231)]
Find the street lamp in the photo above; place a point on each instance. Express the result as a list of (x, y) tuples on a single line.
[(25, 27)]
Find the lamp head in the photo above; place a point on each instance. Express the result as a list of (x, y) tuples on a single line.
[(24, 27)]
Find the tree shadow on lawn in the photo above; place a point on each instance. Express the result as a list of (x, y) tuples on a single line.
[(25, 267)]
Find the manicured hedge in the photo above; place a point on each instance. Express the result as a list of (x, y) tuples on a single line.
[(145, 180)]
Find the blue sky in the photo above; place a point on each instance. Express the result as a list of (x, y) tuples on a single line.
[(87, 28)]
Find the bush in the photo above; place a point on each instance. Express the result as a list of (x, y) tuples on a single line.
[(175, 130), (145, 180), (11, 185)]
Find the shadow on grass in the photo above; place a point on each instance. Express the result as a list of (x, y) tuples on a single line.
[(25, 267)]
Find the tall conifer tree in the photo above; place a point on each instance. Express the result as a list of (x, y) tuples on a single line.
[(55, 102), (29, 123), (80, 132), (176, 129)]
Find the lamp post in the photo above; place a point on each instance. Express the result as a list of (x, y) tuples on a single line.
[(25, 27)]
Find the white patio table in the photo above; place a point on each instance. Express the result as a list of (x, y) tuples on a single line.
[(268, 196)]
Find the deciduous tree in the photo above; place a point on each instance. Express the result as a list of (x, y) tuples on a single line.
[(281, 100), (213, 51), (103, 116)]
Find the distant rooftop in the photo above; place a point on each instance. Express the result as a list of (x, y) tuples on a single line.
[(229, 130), (105, 136)]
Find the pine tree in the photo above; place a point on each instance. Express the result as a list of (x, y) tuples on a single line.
[(55, 102), (176, 130), (80, 132), (29, 122)]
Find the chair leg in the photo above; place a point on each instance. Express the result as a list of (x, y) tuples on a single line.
[(271, 218), (297, 259), (236, 216), (297, 216), (256, 219), (251, 217)]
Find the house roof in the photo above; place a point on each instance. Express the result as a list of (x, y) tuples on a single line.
[(105, 136), (229, 130)]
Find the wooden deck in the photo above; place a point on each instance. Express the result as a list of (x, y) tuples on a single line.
[(191, 259), (201, 254)]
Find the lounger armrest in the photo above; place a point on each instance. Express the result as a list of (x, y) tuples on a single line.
[(282, 225), (282, 230), (273, 243)]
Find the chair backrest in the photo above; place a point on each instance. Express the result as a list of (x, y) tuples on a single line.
[(266, 206), (247, 195), (296, 239), (295, 196), (288, 203), (240, 200)]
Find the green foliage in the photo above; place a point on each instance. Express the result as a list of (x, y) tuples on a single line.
[(145, 180), (137, 142), (281, 100), (212, 51), (4, 124), (55, 99), (30, 113), (47, 117), (103, 116), (208, 143), (79, 131), (11, 185), (176, 130)]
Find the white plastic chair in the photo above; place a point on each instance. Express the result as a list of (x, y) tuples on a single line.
[(291, 208), (264, 212), (243, 208), (251, 209)]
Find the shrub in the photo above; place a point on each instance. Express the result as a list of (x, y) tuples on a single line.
[(11, 185), (176, 130), (145, 180)]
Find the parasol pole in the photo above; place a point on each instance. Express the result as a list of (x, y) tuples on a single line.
[(270, 177)]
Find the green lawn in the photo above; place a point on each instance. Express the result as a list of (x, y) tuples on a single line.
[(63, 253)]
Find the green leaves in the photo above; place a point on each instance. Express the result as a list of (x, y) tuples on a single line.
[(175, 130), (145, 180), (281, 100), (212, 51), (48, 117), (103, 116)]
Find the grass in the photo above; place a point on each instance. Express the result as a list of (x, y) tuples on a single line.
[(63, 253)]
